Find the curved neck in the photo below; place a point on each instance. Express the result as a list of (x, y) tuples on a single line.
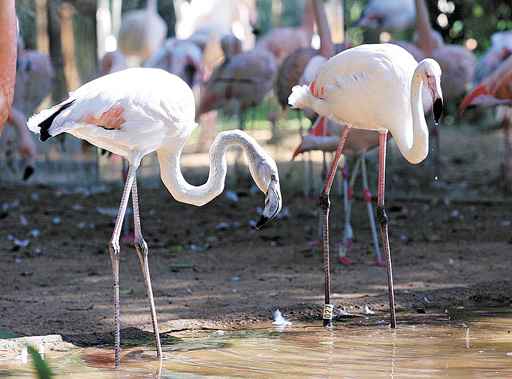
[(181, 190), (418, 150), (324, 32), (423, 28), (151, 5), (308, 19)]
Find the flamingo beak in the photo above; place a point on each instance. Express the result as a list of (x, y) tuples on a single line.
[(437, 97), (28, 172), (273, 203), (299, 150), (481, 90)]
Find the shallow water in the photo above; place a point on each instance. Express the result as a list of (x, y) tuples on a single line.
[(477, 345)]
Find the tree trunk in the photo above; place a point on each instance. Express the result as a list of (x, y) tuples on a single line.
[(60, 90)]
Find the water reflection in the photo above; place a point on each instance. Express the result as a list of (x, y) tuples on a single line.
[(478, 347)]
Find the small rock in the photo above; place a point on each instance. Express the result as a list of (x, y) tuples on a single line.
[(279, 320), (232, 196), (455, 214), (367, 310), (222, 226), (21, 243)]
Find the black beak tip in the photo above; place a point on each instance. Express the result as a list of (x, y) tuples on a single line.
[(438, 109), (263, 220), (29, 171)]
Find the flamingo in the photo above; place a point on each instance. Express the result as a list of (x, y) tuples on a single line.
[(283, 41), (395, 15), (7, 58), (112, 61), (358, 144), (500, 50), (138, 111), (179, 57), (34, 81), (372, 87), (142, 33), (496, 90), (240, 82)]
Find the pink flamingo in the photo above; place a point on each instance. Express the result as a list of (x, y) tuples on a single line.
[(240, 82), (142, 33), (372, 87), (496, 90), (395, 15), (179, 57), (139, 111), (283, 41)]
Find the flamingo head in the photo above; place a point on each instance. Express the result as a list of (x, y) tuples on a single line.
[(431, 74), (266, 176), (469, 100), (319, 129), (299, 150)]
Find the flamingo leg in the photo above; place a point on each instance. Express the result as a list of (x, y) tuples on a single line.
[(114, 250), (367, 196), (507, 165), (325, 207), (437, 151), (347, 205), (142, 251), (382, 218)]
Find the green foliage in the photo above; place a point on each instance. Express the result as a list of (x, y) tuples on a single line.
[(41, 368)]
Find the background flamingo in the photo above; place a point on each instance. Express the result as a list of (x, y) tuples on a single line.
[(496, 90), (133, 113), (395, 15), (34, 82), (142, 32), (388, 99), (283, 41), (240, 82)]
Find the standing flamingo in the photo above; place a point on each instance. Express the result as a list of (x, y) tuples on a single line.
[(7, 58), (179, 57), (142, 32), (136, 112), (241, 82), (372, 87), (496, 90), (283, 41), (395, 15)]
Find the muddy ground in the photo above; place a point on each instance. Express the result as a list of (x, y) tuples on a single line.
[(451, 246)]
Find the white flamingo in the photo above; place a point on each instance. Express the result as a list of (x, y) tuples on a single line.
[(373, 87), (138, 111), (393, 15)]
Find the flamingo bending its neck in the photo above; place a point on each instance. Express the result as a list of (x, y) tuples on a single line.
[(138, 111), (373, 87)]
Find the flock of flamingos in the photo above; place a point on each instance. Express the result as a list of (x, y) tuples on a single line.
[(358, 98)]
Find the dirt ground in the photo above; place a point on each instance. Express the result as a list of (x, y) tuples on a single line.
[(451, 246)]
